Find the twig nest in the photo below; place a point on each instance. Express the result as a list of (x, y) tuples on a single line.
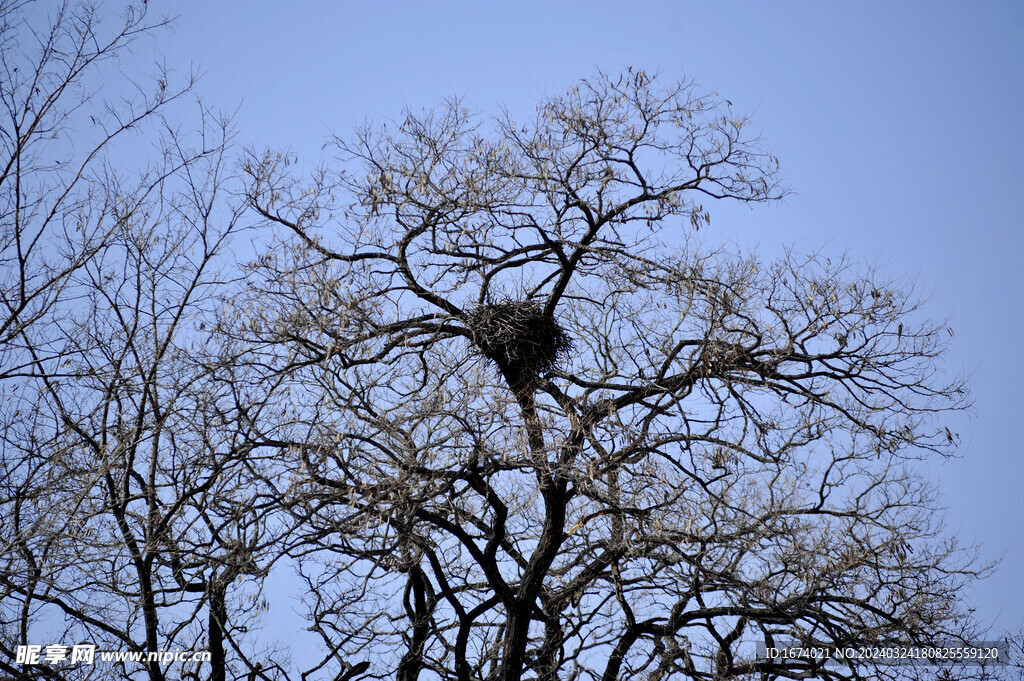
[(519, 338)]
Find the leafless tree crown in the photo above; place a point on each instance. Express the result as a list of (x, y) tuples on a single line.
[(548, 433)]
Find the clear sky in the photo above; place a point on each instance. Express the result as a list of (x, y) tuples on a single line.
[(897, 125)]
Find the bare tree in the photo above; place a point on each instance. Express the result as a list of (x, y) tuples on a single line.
[(535, 428), (131, 513), (129, 520)]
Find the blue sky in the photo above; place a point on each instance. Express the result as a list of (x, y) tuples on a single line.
[(897, 126)]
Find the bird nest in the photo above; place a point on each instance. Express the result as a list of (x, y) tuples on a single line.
[(520, 338)]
